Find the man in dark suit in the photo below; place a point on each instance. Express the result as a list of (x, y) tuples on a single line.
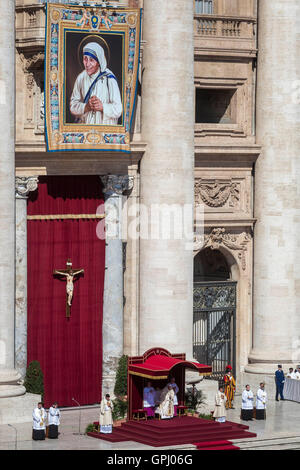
[(279, 380)]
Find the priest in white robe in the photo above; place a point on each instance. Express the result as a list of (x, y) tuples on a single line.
[(247, 404), (220, 406), (291, 374), (261, 402), (96, 97), (106, 420), (166, 407), (149, 400), (176, 390), (39, 416), (53, 421)]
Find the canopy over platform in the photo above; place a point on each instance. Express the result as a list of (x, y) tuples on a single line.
[(159, 365)]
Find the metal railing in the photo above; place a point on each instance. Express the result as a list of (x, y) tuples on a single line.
[(214, 325)]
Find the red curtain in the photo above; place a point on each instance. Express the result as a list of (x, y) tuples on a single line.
[(68, 349)]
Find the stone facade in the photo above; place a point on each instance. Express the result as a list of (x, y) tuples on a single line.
[(212, 161)]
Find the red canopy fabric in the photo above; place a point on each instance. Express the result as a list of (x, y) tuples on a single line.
[(159, 367), (158, 364)]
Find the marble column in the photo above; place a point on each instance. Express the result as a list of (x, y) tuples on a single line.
[(167, 176), (24, 185), (114, 187), (276, 319), (8, 375)]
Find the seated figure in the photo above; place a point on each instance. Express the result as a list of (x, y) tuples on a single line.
[(166, 406), (149, 400)]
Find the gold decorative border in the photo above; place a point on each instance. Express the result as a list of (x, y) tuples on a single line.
[(159, 377), (65, 216), (129, 78)]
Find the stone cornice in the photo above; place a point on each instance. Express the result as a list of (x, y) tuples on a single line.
[(226, 153)]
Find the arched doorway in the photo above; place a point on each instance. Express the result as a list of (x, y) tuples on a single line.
[(214, 319)]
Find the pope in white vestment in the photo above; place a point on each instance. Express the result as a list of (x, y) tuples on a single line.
[(176, 390), (106, 420), (96, 96), (166, 407)]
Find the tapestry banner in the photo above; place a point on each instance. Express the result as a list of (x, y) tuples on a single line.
[(91, 76)]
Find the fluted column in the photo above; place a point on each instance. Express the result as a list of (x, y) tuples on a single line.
[(114, 187), (24, 185), (276, 319), (167, 180), (8, 374)]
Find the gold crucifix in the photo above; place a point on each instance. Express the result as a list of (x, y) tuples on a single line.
[(69, 273)]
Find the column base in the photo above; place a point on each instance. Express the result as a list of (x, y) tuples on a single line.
[(262, 368), (18, 409), (9, 377)]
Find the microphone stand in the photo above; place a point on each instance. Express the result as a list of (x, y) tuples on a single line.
[(78, 404)]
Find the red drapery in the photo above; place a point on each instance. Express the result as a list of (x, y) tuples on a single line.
[(68, 349)]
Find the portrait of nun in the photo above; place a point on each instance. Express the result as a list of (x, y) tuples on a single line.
[(96, 98)]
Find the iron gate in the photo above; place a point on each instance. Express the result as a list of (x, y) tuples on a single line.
[(214, 325)]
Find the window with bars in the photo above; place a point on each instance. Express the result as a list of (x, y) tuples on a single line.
[(204, 7)]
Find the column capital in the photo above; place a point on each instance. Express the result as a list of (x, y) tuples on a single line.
[(116, 184), (24, 185)]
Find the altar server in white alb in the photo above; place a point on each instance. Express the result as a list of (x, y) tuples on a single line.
[(149, 396), (96, 96), (53, 421), (106, 420), (261, 402), (291, 374), (220, 406), (247, 404), (39, 416), (176, 390)]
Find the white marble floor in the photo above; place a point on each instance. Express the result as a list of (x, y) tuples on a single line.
[(283, 421)]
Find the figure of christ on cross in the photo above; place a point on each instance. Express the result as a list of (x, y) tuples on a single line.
[(69, 273)]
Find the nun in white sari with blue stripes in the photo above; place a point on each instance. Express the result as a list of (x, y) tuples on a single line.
[(96, 96)]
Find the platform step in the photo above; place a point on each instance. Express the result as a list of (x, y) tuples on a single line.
[(212, 443), (188, 430), (228, 447)]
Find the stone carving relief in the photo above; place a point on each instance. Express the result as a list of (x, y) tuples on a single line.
[(24, 185), (32, 66), (32, 62), (115, 184), (218, 237), (216, 193)]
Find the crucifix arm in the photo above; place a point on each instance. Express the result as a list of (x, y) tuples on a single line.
[(78, 272), (60, 272)]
